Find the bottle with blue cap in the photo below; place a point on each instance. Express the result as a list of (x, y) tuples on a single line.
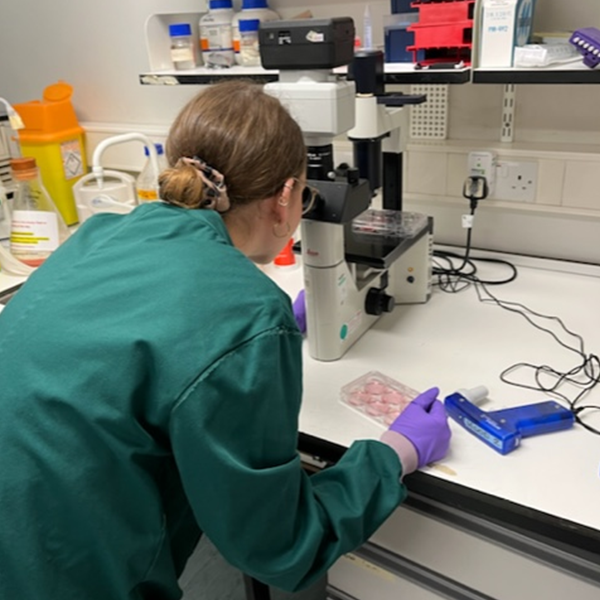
[(251, 9), (146, 185), (216, 36), (183, 52), (249, 51)]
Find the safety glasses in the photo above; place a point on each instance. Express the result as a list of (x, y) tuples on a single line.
[(309, 196)]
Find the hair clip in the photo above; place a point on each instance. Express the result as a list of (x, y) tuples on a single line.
[(215, 195)]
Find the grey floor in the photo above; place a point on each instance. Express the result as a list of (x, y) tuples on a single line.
[(208, 576)]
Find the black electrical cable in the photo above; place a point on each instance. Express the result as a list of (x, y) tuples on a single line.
[(455, 279), (585, 376)]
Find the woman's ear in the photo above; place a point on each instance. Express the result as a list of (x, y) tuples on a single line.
[(286, 192)]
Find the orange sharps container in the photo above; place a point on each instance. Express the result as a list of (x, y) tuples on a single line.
[(53, 136)]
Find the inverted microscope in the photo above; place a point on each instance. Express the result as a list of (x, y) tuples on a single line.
[(358, 262)]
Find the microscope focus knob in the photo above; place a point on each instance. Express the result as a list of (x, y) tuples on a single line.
[(378, 302), (352, 175)]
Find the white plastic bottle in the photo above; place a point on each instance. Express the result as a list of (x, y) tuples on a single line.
[(146, 184), (216, 34), (251, 9)]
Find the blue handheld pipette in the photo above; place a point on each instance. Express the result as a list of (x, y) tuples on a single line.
[(503, 430)]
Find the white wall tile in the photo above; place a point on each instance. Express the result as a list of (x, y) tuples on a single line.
[(551, 176), (582, 184), (426, 173), (457, 173)]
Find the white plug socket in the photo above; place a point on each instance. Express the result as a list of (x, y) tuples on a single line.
[(516, 181)]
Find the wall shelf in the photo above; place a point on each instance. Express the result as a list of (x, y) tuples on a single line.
[(161, 72), (574, 73), (206, 76), (395, 73), (406, 73)]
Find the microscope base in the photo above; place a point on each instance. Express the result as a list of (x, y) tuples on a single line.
[(336, 317)]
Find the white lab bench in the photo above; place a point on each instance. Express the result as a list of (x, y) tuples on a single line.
[(479, 524), (8, 283)]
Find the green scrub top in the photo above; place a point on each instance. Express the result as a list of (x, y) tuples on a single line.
[(150, 385)]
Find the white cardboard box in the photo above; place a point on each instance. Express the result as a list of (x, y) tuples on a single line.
[(503, 24)]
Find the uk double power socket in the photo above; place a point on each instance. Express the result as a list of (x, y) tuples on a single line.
[(516, 181), (510, 180)]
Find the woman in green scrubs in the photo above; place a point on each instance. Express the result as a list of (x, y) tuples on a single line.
[(151, 380)]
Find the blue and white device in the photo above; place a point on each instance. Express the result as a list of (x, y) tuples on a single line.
[(503, 430)]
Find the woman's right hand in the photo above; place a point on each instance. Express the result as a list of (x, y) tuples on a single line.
[(424, 423)]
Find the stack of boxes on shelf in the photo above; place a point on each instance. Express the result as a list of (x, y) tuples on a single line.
[(442, 32), (503, 26), (397, 36)]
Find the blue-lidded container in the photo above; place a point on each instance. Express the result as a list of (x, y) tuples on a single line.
[(251, 4), (180, 30), (397, 38), (183, 48), (216, 4), (249, 25), (159, 150), (403, 6), (249, 42)]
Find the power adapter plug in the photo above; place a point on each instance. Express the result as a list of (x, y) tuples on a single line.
[(482, 163)]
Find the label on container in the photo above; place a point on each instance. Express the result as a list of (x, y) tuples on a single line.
[(34, 231), (147, 195), (216, 44), (72, 160), (249, 50), (182, 54), (216, 37)]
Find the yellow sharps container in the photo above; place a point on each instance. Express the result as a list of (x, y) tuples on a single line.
[(53, 136)]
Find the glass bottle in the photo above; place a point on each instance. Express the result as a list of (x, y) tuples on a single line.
[(216, 35), (37, 227), (249, 51), (251, 9), (182, 48)]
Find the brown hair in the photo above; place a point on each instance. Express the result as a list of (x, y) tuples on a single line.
[(240, 131)]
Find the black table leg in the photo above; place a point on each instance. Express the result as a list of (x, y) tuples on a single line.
[(255, 590)]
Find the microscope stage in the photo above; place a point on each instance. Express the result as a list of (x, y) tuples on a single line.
[(379, 251)]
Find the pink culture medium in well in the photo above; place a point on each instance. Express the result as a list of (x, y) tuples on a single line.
[(377, 396)]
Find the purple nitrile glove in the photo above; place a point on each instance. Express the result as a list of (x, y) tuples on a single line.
[(299, 307), (424, 423)]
